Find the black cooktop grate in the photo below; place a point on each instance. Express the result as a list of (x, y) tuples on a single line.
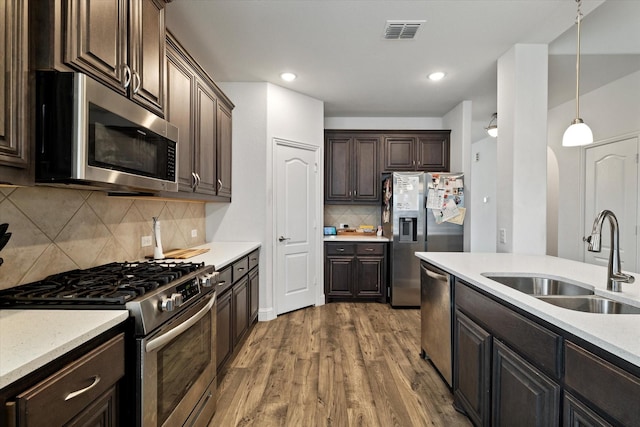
[(107, 285)]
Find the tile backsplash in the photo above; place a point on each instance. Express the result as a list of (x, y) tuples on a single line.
[(353, 215), (55, 230)]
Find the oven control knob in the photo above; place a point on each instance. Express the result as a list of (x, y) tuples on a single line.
[(166, 304), (177, 300)]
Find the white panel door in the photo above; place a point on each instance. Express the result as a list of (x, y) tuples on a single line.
[(296, 199), (611, 182)]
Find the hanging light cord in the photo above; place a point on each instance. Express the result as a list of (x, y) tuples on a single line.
[(578, 19)]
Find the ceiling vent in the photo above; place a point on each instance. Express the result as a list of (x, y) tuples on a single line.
[(402, 30)]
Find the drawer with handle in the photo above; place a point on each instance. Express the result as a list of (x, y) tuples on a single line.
[(253, 259), (370, 249), (240, 268), (340, 248), (224, 280), (60, 397)]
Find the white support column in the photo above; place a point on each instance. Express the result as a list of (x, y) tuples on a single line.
[(522, 149)]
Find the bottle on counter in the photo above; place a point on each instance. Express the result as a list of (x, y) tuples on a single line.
[(379, 232)]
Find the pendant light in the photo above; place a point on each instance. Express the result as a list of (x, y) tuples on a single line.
[(578, 133), (492, 129)]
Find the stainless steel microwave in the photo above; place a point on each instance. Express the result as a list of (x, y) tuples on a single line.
[(88, 136)]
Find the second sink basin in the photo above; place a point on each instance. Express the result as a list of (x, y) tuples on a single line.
[(592, 304), (540, 285)]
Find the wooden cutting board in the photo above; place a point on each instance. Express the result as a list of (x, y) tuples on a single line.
[(183, 253)]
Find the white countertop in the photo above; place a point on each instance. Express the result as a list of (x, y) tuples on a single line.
[(356, 237), (618, 334), (29, 339), (222, 254)]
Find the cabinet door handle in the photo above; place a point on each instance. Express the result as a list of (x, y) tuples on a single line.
[(340, 249), (195, 181), (355, 192), (282, 238), (369, 249), (127, 76), (134, 77), (96, 380), (219, 184)]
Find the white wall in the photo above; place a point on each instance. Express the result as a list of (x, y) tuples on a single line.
[(383, 123), (262, 112), (459, 121), (294, 117), (611, 111), (522, 148), (482, 202)]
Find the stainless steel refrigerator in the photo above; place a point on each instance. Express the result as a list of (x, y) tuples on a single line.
[(413, 223)]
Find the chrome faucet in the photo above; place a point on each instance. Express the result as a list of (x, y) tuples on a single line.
[(615, 277)]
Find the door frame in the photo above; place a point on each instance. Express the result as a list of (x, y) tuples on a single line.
[(319, 216), (583, 189)]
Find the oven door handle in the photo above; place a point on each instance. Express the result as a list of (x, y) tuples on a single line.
[(173, 333)]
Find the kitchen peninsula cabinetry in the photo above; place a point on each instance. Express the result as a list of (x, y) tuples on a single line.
[(82, 393), (506, 367), (352, 167), (425, 151), (598, 385), (202, 114), (355, 271), (237, 295), (120, 43), (14, 107)]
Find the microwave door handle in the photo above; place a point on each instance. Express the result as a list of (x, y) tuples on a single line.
[(175, 332)]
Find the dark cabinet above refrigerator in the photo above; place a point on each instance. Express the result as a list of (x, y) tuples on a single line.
[(354, 160)]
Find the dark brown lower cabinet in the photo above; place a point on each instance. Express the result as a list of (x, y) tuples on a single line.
[(472, 379), (224, 333), (355, 271), (237, 307), (612, 391), (513, 369), (240, 309), (101, 413), (521, 395), (254, 282), (82, 393), (578, 414)]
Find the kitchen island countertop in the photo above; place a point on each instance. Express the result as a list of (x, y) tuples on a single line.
[(618, 334)]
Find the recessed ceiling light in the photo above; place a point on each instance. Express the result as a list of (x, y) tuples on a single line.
[(438, 75), (288, 77)]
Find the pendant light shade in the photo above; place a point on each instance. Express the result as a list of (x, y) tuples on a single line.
[(492, 128), (578, 133)]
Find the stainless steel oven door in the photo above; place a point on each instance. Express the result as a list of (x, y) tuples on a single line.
[(177, 369)]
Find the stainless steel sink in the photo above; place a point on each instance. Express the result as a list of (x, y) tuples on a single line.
[(591, 304), (540, 285)]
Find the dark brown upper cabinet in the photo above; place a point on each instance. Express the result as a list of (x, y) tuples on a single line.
[(120, 43), (15, 163), (352, 171), (203, 115), (424, 151)]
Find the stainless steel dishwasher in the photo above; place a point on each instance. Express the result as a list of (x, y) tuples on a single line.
[(435, 318)]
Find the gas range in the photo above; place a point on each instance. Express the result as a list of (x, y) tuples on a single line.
[(152, 291)]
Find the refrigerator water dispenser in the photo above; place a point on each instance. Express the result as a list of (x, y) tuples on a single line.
[(408, 229)]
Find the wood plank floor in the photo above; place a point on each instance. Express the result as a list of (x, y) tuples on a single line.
[(341, 364)]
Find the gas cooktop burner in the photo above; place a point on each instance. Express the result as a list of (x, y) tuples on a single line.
[(107, 285)]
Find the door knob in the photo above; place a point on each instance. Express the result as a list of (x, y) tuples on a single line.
[(282, 238)]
